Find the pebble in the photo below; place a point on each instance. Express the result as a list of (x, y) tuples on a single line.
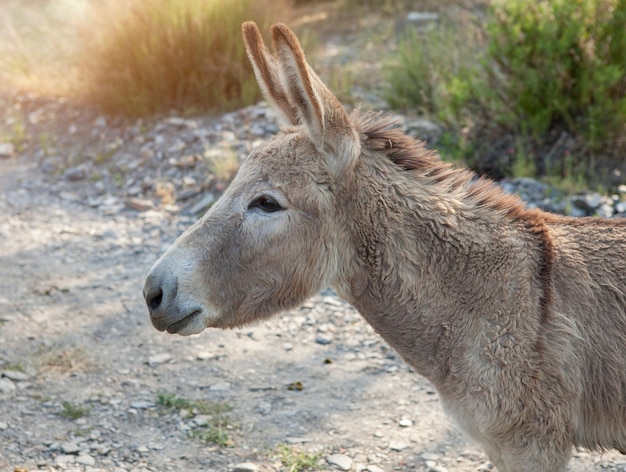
[(3, 425), (15, 375), (159, 359), (85, 459), (340, 461), (246, 467), (397, 446), (75, 174), (324, 339), (6, 150), (142, 404), (70, 448), (6, 385), (64, 459), (405, 422)]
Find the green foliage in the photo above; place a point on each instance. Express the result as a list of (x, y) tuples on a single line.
[(549, 69), (297, 461), (560, 63), (149, 56), (434, 71), (73, 411)]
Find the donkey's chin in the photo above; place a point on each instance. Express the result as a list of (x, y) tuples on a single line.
[(193, 323)]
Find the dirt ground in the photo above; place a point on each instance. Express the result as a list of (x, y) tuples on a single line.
[(85, 378)]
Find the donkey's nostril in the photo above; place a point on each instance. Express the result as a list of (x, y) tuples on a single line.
[(154, 298)]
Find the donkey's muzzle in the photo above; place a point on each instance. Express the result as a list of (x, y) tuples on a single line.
[(160, 294)]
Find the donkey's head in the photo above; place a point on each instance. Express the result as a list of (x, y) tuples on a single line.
[(269, 242)]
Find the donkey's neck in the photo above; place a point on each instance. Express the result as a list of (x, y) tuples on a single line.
[(418, 253)]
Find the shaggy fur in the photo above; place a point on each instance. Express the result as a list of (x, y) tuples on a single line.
[(516, 316)]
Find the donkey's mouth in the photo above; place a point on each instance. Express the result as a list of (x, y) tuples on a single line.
[(190, 324)]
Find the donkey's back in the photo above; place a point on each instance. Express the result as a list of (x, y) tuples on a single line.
[(589, 290)]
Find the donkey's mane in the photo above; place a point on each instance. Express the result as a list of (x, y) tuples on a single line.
[(381, 133)]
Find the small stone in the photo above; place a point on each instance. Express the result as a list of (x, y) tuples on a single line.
[(204, 355), (324, 339), (139, 204), (220, 387), (397, 446), (85, 459), (421, 16), (74, 174), (405, 423), (620, 207), (6, 385), (374, 468), (143, 449), (15, 375), (6, 150), (159, 359), (3, 425), (341, 461), (70, 448), (141, 404), (64, 459), (246, 467), (201, 420), (429, 456), (435, 468)]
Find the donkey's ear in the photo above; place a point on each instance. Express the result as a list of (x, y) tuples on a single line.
[(324, 117), (267, 73)]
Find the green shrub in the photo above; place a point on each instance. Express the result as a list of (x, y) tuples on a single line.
[(149, 56), (561, 63), (434, 71)]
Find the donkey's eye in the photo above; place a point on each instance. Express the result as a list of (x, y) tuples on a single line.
[(265, 203)]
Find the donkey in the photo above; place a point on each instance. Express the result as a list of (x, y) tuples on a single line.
[(516, 316)]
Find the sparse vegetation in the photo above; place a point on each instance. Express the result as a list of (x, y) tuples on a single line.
[(73, 411), (211, 423), (62, 359), (297, 461)]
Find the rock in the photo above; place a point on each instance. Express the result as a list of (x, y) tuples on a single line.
[(588, 202), (141, 404), (74, 174), (70, 448), (7, 150), (341, 461), (15, 375), (374, 468), (85, 459), (405, 423), (139, 204), (159, 359), (422, 16), (246, 467), (324, 339), (424, 129), (397, 446), (3, 425), (64, 459), (429, 456), (6, 385)]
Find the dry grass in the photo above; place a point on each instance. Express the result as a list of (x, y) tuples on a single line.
[(134, 57)]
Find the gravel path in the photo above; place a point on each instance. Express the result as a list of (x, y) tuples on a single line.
[(86, 384)]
